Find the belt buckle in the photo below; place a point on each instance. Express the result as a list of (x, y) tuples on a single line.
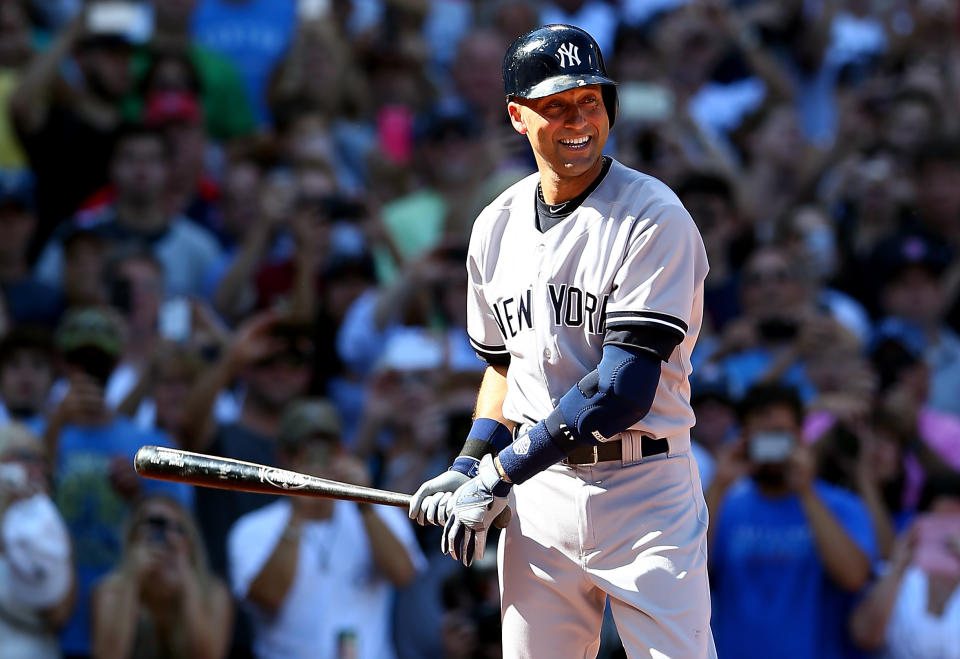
[(596, 457)]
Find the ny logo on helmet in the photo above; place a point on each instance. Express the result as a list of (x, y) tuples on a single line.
[(568, 51)]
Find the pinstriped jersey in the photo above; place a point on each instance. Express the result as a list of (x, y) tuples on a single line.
[(629, 256)]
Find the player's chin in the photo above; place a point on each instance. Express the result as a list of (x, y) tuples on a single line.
[(578, 157), (578, 165)]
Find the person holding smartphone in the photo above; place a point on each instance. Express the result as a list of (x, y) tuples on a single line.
[(913, 610), (787, 550), (162, 600), (91, 453), (36, 568)]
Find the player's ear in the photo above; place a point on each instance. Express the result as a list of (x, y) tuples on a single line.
[(513, 109)]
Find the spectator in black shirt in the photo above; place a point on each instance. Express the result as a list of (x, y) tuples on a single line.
[(271, 358), (65, 127), (140, 167)]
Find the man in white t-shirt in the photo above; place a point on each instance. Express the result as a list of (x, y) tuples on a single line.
[(316, 574)]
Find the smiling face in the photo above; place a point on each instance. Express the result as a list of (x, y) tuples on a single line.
[(567, 132)]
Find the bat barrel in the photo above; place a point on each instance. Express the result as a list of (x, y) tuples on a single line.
[(169, 464)]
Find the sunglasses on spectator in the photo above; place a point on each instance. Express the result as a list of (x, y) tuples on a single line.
[(318, 448), (772, 276), (161, 524), (286, 358)]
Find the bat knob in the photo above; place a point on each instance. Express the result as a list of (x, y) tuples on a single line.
[(143, 457)]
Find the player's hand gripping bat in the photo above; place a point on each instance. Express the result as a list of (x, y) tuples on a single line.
[(170, 464)]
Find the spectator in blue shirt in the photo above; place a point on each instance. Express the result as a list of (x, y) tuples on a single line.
[(92, 453), (253, 35), (788, 551)]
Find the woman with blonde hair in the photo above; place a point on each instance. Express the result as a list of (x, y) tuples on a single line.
[(37, 577), (162, 601)]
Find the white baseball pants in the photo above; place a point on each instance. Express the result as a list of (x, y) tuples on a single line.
[(634, 532)]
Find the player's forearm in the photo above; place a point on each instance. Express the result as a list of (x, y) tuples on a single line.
[(491, 430), (493, 391), (389, 554), (844, 561)]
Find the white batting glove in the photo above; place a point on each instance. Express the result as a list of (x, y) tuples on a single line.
[(429, 503), (473, 508)]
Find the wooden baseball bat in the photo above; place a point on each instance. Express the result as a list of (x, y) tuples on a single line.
[(171, 464)]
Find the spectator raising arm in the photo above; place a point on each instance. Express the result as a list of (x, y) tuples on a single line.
[(868, 623), (842, 559), (234, 295), (251, 342), (30, 101), (731, 466)]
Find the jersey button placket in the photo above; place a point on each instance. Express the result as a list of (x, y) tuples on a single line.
[(546, 354)]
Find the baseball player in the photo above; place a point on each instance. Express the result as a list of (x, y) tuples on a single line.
[(585, 299)]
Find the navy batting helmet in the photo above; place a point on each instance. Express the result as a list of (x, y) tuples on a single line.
[(555, 58)]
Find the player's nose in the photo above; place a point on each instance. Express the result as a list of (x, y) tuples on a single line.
[(577, 116)]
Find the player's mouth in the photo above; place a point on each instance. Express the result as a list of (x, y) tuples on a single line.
[(576, 143)]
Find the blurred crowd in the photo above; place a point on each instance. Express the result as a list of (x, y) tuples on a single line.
[(240, 227)]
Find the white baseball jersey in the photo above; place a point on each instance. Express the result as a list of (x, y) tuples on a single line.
[(629, 256)]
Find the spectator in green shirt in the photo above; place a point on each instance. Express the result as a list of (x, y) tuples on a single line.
[(225, 106)]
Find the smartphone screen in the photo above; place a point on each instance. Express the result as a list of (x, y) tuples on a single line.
[(312, 10), (174, 319), (132, 20), (938, 544), (770, 447)]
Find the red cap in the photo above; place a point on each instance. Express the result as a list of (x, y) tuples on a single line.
[(166, 106)]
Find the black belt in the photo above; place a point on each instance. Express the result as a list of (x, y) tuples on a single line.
[(613, 450)]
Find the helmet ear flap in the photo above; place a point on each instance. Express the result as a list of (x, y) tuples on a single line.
[(611, 101)]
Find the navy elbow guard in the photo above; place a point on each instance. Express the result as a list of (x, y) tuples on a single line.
[(605, 402), (612, 398)]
